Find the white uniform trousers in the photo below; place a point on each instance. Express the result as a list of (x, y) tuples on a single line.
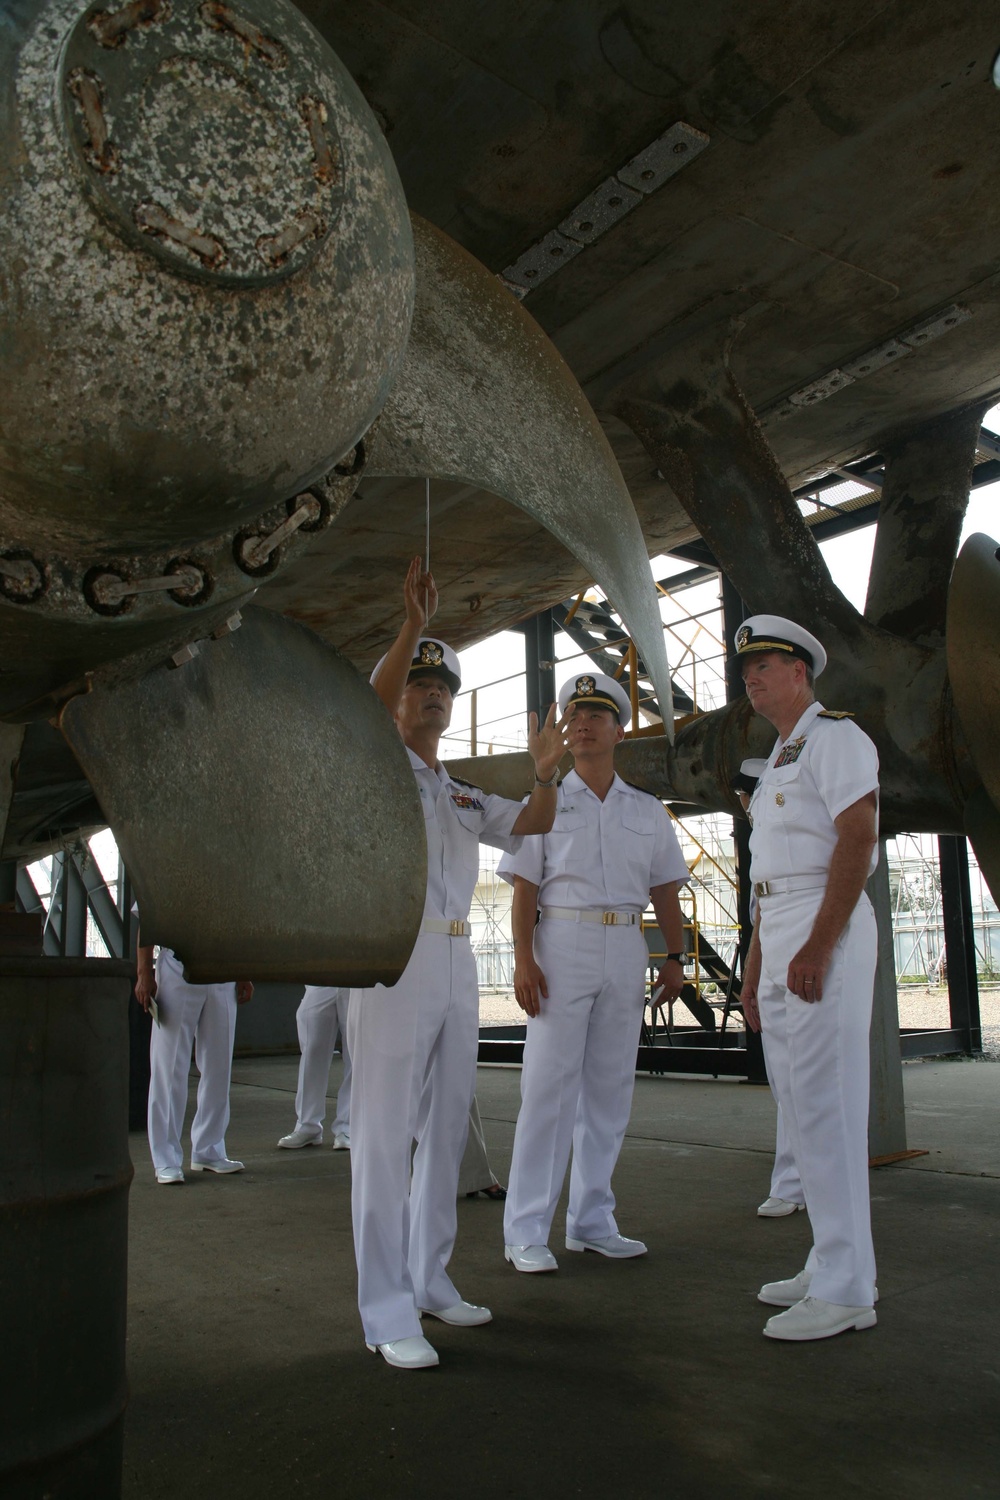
[(321, 1012), (577, 1079), (785, 1180), (204, 1014), (475, 1172), (817, 1059), (414, 1048)]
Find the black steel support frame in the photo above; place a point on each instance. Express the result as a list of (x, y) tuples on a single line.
[(539, 662), (960, 943), (79, 887)]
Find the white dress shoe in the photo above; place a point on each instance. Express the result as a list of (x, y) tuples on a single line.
[(407, 1354), (530, 1257), (342, 1141), (462, 1315), (812, 1318), (788, 1293), (167, 1175), (222, 1164), (615, 1246), (785, 1293), (778, 1208), (299, 1138)]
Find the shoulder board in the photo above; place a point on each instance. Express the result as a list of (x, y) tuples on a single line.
[(458, 781), (834, 713)]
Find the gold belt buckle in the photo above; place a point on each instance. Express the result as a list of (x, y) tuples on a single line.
[(457, 929), (610, 919), (762, 888)]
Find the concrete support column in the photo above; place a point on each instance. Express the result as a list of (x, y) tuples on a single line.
[(886, 1111)]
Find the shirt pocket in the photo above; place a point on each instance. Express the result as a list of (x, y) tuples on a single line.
[(567, 820), (469, 821), (783, 787), (637, 849)]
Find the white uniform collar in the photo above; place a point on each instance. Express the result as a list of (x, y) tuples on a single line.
[(800, 727), (574, 782)]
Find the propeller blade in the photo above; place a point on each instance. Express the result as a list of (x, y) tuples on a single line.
[(485, 397), (982, 828), (972, 633), (265, 808)]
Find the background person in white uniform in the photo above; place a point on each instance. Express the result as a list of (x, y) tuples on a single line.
[(322, 1012), (203, 1015), (476, 1176), (414, 1044), (811, 967), (579, 976)]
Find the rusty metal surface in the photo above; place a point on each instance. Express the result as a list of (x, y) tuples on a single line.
[(265, 808), (64, 1178), (207, 292), (844, 185), (148, 393), (484, 397)]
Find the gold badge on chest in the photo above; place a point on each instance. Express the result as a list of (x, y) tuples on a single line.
[(779, 798)]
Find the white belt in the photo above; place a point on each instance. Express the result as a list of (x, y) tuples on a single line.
[(449, 929), (788, 883), (608, 918)]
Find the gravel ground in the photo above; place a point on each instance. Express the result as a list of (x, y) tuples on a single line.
[(917, 1008)]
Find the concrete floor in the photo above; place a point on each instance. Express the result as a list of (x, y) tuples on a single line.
[(650, 1377)]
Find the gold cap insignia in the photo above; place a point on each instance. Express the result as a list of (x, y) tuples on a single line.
[(585, 686), (431, 654), (743, 637)]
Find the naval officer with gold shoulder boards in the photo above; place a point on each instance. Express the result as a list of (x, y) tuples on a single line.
[(811, 966)]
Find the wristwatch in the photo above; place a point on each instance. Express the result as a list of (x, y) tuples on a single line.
[(680, 958)]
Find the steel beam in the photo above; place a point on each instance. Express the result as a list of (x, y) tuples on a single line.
[(539, 663), (886, 1105), (960, 942)]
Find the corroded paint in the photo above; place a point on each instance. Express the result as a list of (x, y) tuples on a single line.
[(148, 402)]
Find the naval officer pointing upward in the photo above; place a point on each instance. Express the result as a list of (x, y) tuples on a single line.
[(414, 1043), (579, 976), (810, 970)]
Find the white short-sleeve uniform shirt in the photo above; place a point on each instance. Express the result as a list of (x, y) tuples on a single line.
[(600, 856), (822, 768), (457, 819)]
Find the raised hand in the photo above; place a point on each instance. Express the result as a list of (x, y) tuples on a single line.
[(420, 594), (547, 745)]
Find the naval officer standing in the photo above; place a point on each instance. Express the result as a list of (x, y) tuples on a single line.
[(414, 1043), (202, 1015), (322, 1012), (810, 969), (579, 976)]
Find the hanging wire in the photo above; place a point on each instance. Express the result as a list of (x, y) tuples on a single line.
[(427, 543)]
